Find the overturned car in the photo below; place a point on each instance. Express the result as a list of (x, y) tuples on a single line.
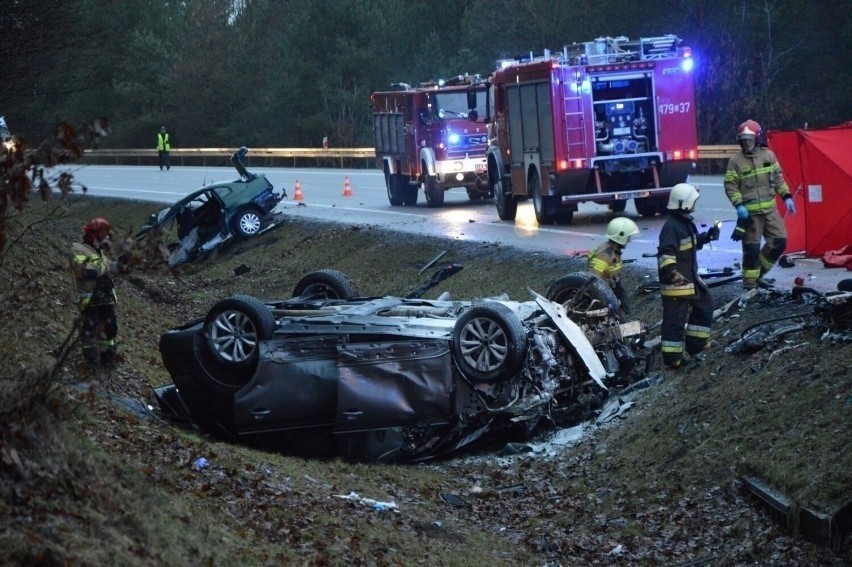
[(396, 379), (216, 213)]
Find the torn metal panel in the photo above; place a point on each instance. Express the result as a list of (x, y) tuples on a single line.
[(575, 337)]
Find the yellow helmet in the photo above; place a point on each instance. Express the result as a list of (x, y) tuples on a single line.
[(682, 197), (621, 229)]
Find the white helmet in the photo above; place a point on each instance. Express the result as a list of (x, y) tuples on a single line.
[(682, 197), (621, 229)]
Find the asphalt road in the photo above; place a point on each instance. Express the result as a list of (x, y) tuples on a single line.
[(460, 218)]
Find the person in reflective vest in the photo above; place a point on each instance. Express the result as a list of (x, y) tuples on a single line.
[(163, 148), (605, 260), (687, 303), (752, 180), (96, 296)]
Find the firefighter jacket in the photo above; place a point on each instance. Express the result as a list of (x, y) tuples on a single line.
[(163, 144), (605, 261), (92, 276), (679, 243), (753, 179)]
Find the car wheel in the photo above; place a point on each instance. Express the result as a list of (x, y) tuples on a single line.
[(326, 284), (489, 343), (233, 330), (582, 291), (247, 223)]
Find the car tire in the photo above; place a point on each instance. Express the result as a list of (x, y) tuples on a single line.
[(596, 295), (489, 343), (247, 223), (233, 330), (326, 284)]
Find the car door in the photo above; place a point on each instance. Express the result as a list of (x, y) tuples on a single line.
[(390, 384)]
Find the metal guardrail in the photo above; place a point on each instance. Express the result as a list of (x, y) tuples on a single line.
[(256, 156), (321, 155)]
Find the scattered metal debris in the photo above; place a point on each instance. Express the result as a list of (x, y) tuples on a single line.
[(432, 263)]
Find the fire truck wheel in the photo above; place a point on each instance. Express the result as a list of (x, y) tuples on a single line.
[(434, 192), (507, 205), (539, 202), (409, 192), (645, 207), (394, 194), (565, 217), (618, 205), (661, 204)]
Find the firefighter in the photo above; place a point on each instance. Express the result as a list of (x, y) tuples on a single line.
[(687, 303), (605, 260), (751, 183), (95, 292)]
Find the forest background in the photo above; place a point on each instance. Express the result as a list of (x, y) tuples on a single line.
[(286, 73)]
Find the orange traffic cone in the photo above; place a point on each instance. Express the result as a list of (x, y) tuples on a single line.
[(347, 189), (297, 196)]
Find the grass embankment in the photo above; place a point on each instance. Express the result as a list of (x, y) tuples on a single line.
[(84, 480)]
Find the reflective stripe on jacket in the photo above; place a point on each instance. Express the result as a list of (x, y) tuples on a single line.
[(163, 144), (754, 179), (679, 242), (605, 261), (90, 265)]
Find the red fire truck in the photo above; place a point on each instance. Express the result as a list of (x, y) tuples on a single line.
[(604, 121), (432, 137)]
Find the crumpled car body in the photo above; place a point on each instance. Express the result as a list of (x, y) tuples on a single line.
[(215, 214), (389, 378)]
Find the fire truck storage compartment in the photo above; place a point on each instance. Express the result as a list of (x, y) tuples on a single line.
[(624, 121), (530, 125), (389, 133)]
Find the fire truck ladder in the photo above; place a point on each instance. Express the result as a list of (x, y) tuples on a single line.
[(575, 125)]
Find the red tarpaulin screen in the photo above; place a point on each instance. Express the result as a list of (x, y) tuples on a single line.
[(817, 166)]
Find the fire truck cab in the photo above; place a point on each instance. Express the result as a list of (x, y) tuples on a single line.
[(431, 138), (603, 121)]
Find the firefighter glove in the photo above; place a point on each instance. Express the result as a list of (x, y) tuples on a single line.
[(677, 278), (791, 206), (740, 229), (713, 232), (742, 212)]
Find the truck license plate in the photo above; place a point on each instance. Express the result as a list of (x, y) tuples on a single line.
[(480, 167), (631, 195)]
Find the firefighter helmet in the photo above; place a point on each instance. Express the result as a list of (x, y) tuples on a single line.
[(97, 229), (682, 197), (749, 128), (621, 229)]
